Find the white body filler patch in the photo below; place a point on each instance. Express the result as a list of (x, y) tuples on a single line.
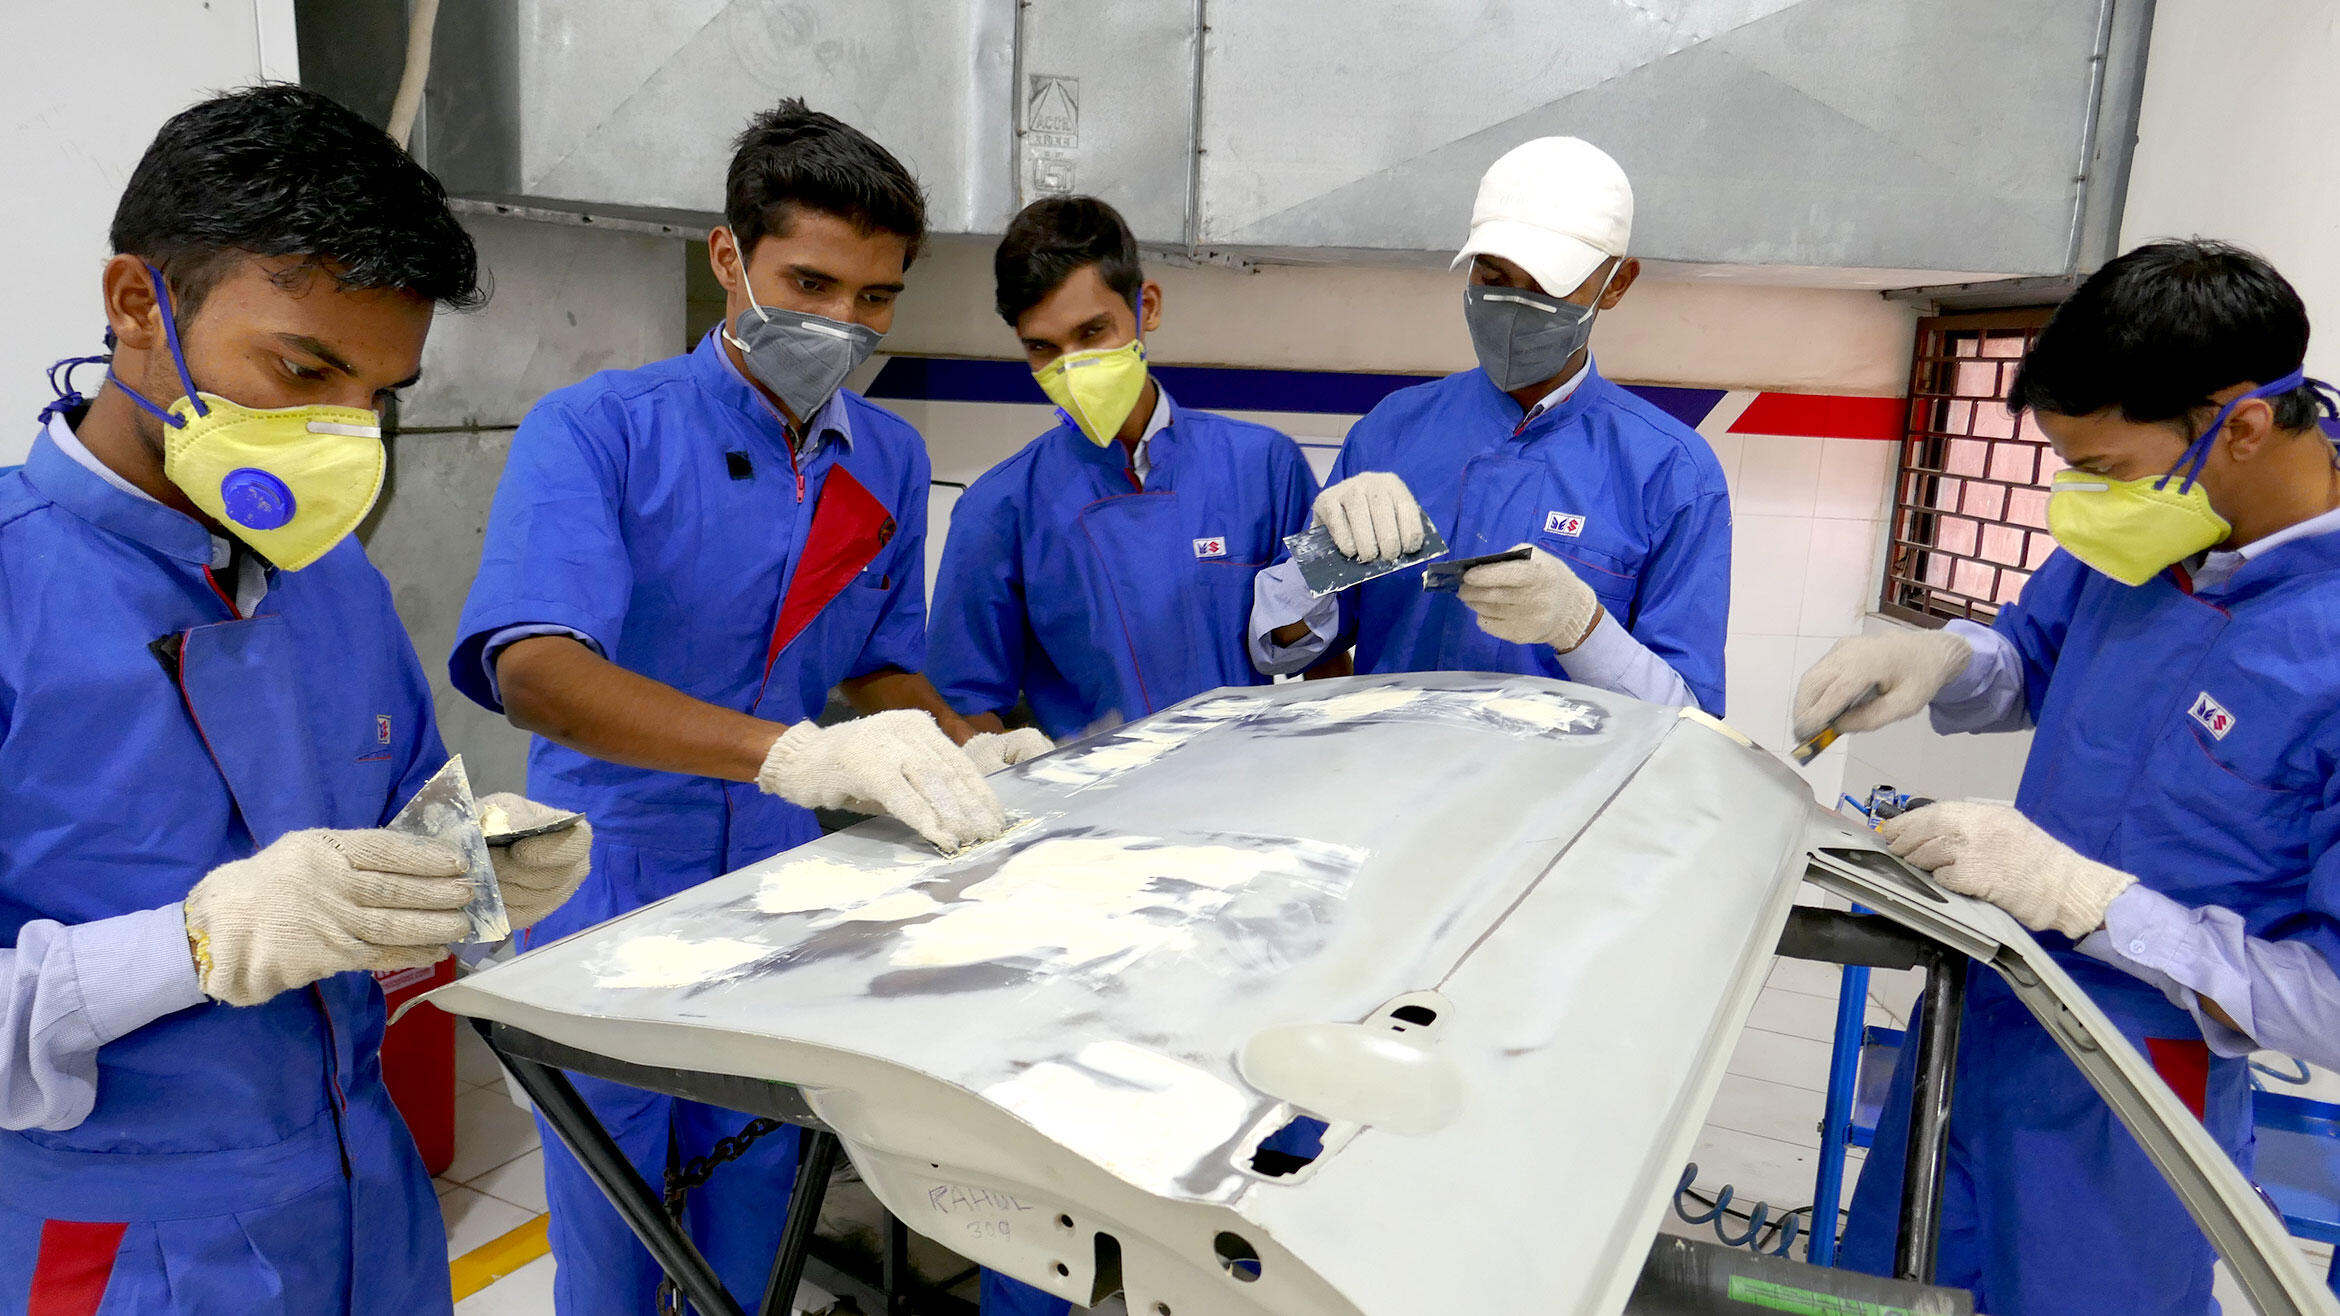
[(662, 960), (812, 886), (1366, 703), (1087, 901), (1134, 1112)]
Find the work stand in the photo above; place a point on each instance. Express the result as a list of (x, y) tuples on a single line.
[(537, 1065), (1872, 941)]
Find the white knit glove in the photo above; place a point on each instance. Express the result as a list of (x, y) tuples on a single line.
[(1371, 516), (1910, 667), (990, 751), (539, 872), (897, 762), (1993, 853), (1535, 601), (317, 903)]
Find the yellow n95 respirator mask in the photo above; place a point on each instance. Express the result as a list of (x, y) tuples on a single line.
[(2133, 530), (1097, 389), (292, 482)]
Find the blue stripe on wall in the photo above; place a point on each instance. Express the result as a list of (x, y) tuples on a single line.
[(1687, 405), (1212, 388)]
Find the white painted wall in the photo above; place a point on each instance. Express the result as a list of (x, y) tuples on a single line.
[(2235, 141), (1323, 317), (87, 87)]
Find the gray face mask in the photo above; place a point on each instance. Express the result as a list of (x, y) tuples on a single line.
[(802, 358), (1525, 337)]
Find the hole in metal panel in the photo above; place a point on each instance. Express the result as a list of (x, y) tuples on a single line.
[(1289, 1149), (1237, 1257)]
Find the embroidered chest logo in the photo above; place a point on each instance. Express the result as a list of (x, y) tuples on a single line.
[(1570, 524), (382, 728), (2212, 715), (1215, 546)]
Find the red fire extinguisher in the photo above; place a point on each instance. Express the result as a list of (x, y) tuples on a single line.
[(418, 1061)]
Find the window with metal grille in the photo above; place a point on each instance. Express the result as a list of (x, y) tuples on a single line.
[(1970, 495)]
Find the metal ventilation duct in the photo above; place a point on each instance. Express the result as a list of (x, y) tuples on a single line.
[(1986, 137), (631, 109)]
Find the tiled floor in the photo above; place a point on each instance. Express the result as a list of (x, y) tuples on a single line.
[(496, 1182)]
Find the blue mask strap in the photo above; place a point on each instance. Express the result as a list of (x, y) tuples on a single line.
[(2329, 421), (61, 380), (170, 321), (2198, 452)]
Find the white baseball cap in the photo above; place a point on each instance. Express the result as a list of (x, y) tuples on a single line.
[(1556, 207)]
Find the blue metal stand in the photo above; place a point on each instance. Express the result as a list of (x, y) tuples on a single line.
[(2298, 1167), (1836, 1123)]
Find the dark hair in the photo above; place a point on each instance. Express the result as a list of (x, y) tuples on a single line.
[(1053, 237), (279, 170), (2160, 329), (791, 156)]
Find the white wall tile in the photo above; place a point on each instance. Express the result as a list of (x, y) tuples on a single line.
[(1726, 411), (1769, 558), (1779, 475), (1825, 774), (1758, 670), (1856, 479), (1842, 576), (1729, 451)]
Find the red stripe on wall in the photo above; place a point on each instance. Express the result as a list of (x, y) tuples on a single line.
[(1823, 416), (74, 1263)]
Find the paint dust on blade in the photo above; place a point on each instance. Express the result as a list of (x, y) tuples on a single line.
[(1327, 570), (444, 810)]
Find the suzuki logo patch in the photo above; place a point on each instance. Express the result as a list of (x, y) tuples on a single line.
[(382, 728), (1563, 523), (1213, 547), (2212, 715)]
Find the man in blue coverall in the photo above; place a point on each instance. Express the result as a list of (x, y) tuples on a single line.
[(1104, 571), (682, 560), (208, 710), (2176, 838), (1627, 586)]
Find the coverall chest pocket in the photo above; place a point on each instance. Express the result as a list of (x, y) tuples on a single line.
[(831, 646), (1613, 578), (2217, 812)]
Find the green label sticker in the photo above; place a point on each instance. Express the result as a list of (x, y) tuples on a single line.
[(1804, 1302)]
